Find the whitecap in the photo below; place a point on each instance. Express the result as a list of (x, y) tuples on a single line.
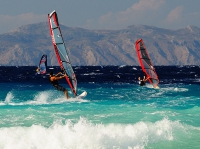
[(79, 134), (9, 97)]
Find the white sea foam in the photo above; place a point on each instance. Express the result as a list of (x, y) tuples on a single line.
[(84, 134), (180, 89), (42, 98), (9, 97), (71, 99), (134, 68), (122, 66), (149, 85), (49, 97), (163, 90)]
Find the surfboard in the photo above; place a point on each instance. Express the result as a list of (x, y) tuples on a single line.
[(82, 95), (157, 87)]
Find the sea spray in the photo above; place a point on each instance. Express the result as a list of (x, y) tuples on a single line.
[(85, 134)]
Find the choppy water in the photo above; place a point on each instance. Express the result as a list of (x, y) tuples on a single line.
[(117, 113)]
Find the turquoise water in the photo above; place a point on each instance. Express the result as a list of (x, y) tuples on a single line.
[(113, 115)]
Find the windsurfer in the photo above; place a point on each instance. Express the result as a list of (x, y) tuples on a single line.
[(38, 70), (142, 82), (54, 81), (41, 69)]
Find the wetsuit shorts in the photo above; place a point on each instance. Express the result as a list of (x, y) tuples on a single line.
[(59, 87), (142, 83)]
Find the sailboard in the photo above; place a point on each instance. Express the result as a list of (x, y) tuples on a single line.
[(61, 52), (82, 95), (146, 63), (42, 67)]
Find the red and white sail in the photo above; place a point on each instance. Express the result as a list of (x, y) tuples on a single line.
[(146, 63), (61, 52)]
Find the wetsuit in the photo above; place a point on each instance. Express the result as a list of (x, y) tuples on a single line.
[(57, 86), (142, 83)]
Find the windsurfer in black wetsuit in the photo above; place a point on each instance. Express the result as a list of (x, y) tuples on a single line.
[(142, 82), (54, 81)]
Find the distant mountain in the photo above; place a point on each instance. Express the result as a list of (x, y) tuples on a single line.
[(25, 45)]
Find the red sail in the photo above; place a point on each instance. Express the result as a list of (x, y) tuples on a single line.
[(61, 52), (146, 63)]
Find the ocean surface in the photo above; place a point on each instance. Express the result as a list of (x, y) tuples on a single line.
[(117, 113)]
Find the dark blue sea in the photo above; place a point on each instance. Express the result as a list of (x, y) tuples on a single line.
[(117, 113)]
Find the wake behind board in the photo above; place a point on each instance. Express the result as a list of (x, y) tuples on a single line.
[(82, 95), (151, 86)]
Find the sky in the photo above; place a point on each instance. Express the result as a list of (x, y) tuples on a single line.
[(101, 14)]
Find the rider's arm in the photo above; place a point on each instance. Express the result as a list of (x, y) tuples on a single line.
[(146, 79), (58, 74)]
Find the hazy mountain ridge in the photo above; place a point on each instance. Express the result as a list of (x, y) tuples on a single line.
[(25, 45)]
